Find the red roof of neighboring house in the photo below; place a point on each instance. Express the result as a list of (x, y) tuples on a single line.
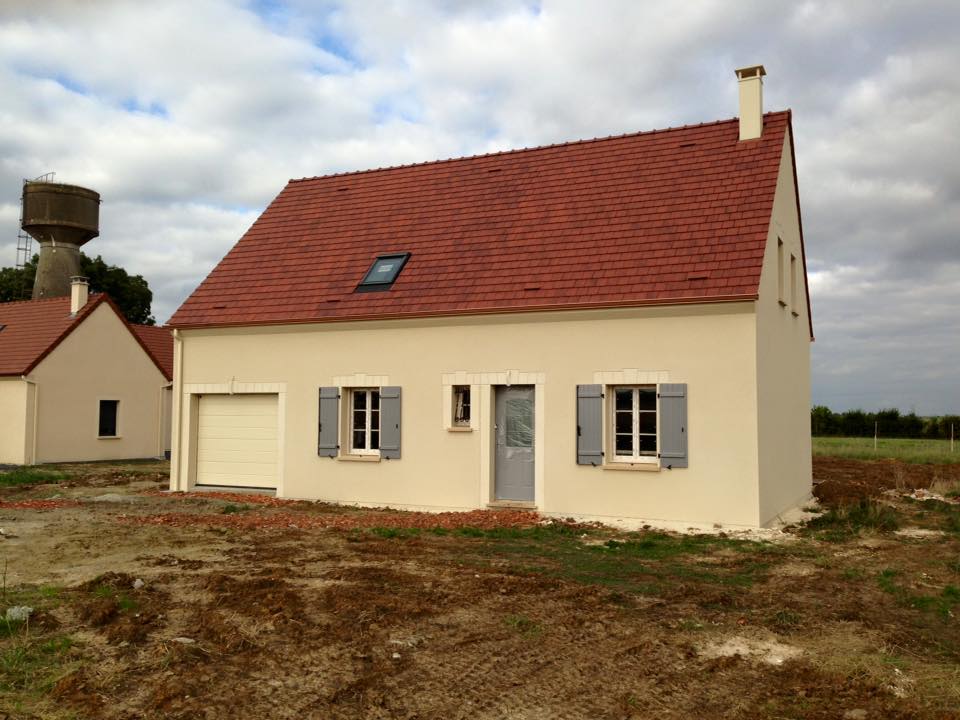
[(31, 329), (662, 217), (159, 342)]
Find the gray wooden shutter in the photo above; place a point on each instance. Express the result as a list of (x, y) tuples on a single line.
[(390, 423), (589, 424), (673, 425), (327, 433)]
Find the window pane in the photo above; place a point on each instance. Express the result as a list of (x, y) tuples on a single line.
[(359, 440), (359, 419), (624, 422), (359, 400), (648, 398), (648, 422), (375, 399), (624, 399), (374, 419), (108, 418), (624, 445), (383, 270), (648, 444), (374, 439), (519, 419), (461, 404)]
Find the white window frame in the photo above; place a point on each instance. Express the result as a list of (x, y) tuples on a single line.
[(454, 393), (611, 425), (368, 428)]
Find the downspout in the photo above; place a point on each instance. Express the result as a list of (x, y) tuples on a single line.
[(160, 443), (176, 412)]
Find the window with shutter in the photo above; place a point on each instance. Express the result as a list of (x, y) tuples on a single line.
[(641, 424)]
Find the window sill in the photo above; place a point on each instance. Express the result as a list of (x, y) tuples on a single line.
[(511, 505), (359, 458), (109, 437), (635, 467), (459, 429)]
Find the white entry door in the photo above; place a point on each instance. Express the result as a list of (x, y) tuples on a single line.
[(237, 441)]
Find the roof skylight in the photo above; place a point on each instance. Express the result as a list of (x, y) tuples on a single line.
[(383, 272)]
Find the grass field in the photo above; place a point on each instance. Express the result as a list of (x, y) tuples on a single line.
[(30, 476), (912, 451)]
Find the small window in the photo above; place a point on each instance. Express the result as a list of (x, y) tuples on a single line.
[(781, 293), (383, 272), (365, 421), (461, 406), (108, 418), (633, 424), (793, 284)]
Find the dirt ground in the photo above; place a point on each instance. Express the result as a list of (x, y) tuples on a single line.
[(148, 605)]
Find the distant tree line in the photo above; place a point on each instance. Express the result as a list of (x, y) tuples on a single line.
[(888, 423)]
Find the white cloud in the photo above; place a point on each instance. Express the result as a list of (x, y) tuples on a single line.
[(189, 117)]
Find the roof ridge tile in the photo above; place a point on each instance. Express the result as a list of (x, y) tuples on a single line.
[(531, 148)]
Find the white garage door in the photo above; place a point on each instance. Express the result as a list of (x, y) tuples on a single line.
[(237, 441)]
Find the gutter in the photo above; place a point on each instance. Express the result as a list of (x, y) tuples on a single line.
[(176, 413), (472, 312)]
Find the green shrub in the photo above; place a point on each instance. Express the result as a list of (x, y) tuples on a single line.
[(395, 533), (839, 522)]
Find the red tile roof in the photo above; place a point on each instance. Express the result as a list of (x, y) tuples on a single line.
[(662, 217), (159, 344), (31, 329)]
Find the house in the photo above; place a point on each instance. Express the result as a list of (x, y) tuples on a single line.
[(611, 328), (78, 382)]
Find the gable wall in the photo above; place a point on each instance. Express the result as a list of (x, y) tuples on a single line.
[(710, 347), (14, 434), (100, 359), (783, 362)]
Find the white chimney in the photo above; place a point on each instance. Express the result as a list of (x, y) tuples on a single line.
[(751, 101), (79, 293)]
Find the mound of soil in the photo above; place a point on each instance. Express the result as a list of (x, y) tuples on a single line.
[(838, 480)]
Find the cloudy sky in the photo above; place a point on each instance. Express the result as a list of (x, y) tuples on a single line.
[(189, 116)]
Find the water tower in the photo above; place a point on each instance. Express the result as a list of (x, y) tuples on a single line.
[(61, 218)]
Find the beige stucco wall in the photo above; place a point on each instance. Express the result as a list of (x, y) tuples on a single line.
[(100, 359), (783, 362), (712, 348), (13, 421)]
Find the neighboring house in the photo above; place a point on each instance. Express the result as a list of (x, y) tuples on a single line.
[(78, 382), (610, 328)]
